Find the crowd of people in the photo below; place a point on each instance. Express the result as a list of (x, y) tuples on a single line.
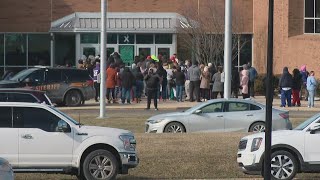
[(162, 79)]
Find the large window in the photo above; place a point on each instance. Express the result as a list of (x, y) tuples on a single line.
[(39, 49), (90, 38), (5, 118), (312, 16), (144, 38), (16, 49)]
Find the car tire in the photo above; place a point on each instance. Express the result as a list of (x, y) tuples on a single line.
[(283, 165), (73, 98), (100, 165), (174, 127), (257, 127)]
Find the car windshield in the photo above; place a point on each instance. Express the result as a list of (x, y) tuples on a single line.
[(22, 75), (306, 123), (66, 116)]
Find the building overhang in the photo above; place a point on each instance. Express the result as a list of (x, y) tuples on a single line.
[(117, 22)]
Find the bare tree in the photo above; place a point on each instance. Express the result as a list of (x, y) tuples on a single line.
[(204, 34)]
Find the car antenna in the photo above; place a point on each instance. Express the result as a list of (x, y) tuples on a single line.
[(79, 120)]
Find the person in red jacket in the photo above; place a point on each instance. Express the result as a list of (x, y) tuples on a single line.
[(111, 83)]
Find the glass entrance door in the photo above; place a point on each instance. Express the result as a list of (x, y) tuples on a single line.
[(127, 54), (143, 51), (89, 49), (164, 51)]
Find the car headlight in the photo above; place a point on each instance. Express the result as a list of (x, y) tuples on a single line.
[(129, 142), (155, 121), (256, 143)]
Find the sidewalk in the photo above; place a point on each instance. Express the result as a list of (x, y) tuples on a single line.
[(91, 104)]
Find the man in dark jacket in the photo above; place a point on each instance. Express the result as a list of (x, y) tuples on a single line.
[(296, 87), (180, 79), (127, 80), (285, 84), (194, 76), (96, 79), (152, 81), (235, 82)]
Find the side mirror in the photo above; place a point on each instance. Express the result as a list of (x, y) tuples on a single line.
[(63, 126), (197, 111), (314, 129)]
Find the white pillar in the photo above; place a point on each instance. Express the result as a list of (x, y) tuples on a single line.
[(52, 50), (174, 44), (227, 48), (78, 50), (103, 59)]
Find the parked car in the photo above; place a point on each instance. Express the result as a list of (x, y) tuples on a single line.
[(64, 86), (40, 138), (23, 95), (218, 115), (6, 172), (293, 151)]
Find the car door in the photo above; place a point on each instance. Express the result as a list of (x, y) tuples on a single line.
[(35, 80), (40, 143), (8, 137), (312, 145), (209, 118), (53, 83), (238, 116)]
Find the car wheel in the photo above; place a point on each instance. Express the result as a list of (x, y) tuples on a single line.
[(100, 165), (283, 165), (257, 127), (73, 98), (174, 127)]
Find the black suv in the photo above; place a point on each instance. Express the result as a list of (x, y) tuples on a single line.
[(64, 86)]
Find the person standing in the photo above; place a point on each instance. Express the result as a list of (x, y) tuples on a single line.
[(311, 87), (139, 82), (304, 75), (296, 87), (152, 80), (187, 82), (235, 81), (205, 83), (244, 84), (252, 77), (111, 83), (180, 78), (96, 80), (127, 81), (217, 87), (194, 75), (285, 84)]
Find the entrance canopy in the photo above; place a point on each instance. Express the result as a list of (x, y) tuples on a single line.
[(119, 22)]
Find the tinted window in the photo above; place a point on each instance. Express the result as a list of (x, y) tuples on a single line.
[(238, 106), (24, 117), (5, 118), (77, 75), (53, 75), (254, 107), (144, 38), (3, 97), (163, 38), (211, 108), (37, 76), (20, 97)]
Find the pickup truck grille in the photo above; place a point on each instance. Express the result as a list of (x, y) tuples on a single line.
[(242, 144)]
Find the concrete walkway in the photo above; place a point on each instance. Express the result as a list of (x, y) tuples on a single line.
[(91, 104)]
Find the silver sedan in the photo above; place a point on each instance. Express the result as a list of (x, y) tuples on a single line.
[(219, 115)]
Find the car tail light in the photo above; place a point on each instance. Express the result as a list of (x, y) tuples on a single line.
[(90, 82), (284, 115)]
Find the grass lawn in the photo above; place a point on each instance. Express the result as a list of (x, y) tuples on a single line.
[(174, 156)]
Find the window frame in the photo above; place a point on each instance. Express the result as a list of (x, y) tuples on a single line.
[(314, 18), (11, 112), (222, 107), (228, 109)]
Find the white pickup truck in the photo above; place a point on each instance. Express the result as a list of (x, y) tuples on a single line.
[(40, 138)]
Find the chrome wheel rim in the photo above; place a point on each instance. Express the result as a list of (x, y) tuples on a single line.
[(74, 99), (100, 167), (281, 167), (258, 128), (175, 129)]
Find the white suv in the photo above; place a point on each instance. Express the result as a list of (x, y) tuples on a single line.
[(293, 151), (39, 138)]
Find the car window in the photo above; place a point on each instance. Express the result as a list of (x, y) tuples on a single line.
[(254, 107), (19, 97), (24, 117), (53, 75), (5, 118), (3, 97), (76, 75), (238, 106), (212, 108), (36, 76)]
